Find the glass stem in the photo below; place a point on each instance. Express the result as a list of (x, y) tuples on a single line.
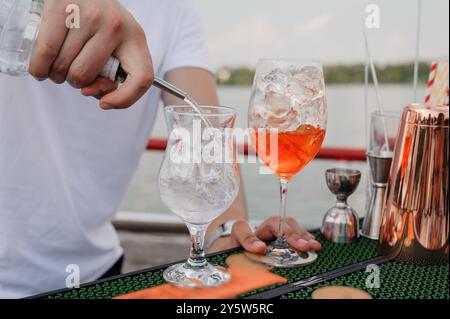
[(197, 256), (341, 201), (281, 241)]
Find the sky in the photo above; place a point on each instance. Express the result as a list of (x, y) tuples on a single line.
[(239, 32)]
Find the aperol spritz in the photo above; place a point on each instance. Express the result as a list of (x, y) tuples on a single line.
[(295, 149), (288, 115)]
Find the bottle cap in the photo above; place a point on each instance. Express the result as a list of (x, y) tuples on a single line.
[(111, 69)]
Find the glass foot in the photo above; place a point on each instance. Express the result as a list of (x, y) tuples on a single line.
[(196, 277), (280, 255)]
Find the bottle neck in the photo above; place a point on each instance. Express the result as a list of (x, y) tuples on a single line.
[(121, 75)]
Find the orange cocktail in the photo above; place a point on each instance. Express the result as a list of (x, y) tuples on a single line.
[(288, 118), (292, 151)]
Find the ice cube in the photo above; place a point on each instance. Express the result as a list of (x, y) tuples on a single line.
[(183, 172), (213, 153), (319, 99), (180, 160), (257, 120), (214, 182), (310, 77), (278, 104), (308, 88), (209, 171), (287, 123), (299, 94), (178, 152), (276, 81), (309, 114)]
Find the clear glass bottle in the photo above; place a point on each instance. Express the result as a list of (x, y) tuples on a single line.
[(19, 26)]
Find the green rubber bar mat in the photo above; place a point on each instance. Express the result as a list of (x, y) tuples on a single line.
[(397, 281), (332, 256)]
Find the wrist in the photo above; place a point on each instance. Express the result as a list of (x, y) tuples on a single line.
[(222, 232)]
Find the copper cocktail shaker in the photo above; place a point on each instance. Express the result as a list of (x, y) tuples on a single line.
[(415, 221)]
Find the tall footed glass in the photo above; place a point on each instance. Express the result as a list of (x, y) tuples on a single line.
[(288, 115), (198, 181)]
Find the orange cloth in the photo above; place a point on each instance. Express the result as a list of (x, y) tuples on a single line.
[(242, 281)]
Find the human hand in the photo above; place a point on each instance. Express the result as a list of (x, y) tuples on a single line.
[(78, 55), (254, 242)]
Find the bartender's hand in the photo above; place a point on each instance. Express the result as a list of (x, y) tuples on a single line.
[(78, 55), (242, 235)]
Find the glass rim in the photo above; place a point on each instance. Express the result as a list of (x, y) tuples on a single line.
[(171, 109), (290, 60), (300, 62), (344, 171)]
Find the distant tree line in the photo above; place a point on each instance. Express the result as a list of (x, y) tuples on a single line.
[(341, 74)]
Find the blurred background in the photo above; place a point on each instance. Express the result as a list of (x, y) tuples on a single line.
[(238, 33)]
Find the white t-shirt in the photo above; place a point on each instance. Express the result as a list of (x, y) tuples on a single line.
[(65, 164)]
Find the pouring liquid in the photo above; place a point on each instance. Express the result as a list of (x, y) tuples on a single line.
[(196, 107)]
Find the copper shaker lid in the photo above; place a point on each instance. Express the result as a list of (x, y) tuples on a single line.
[(430, 115)]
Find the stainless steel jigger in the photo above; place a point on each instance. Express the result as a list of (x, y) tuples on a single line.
[(379, 167), (340, 223)]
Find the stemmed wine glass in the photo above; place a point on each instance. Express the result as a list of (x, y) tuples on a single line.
[(198, 181), (288, 117)]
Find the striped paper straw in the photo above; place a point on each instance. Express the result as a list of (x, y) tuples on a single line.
[(438, 84)]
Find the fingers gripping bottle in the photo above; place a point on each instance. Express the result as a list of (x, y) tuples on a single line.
[(19, 26)]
